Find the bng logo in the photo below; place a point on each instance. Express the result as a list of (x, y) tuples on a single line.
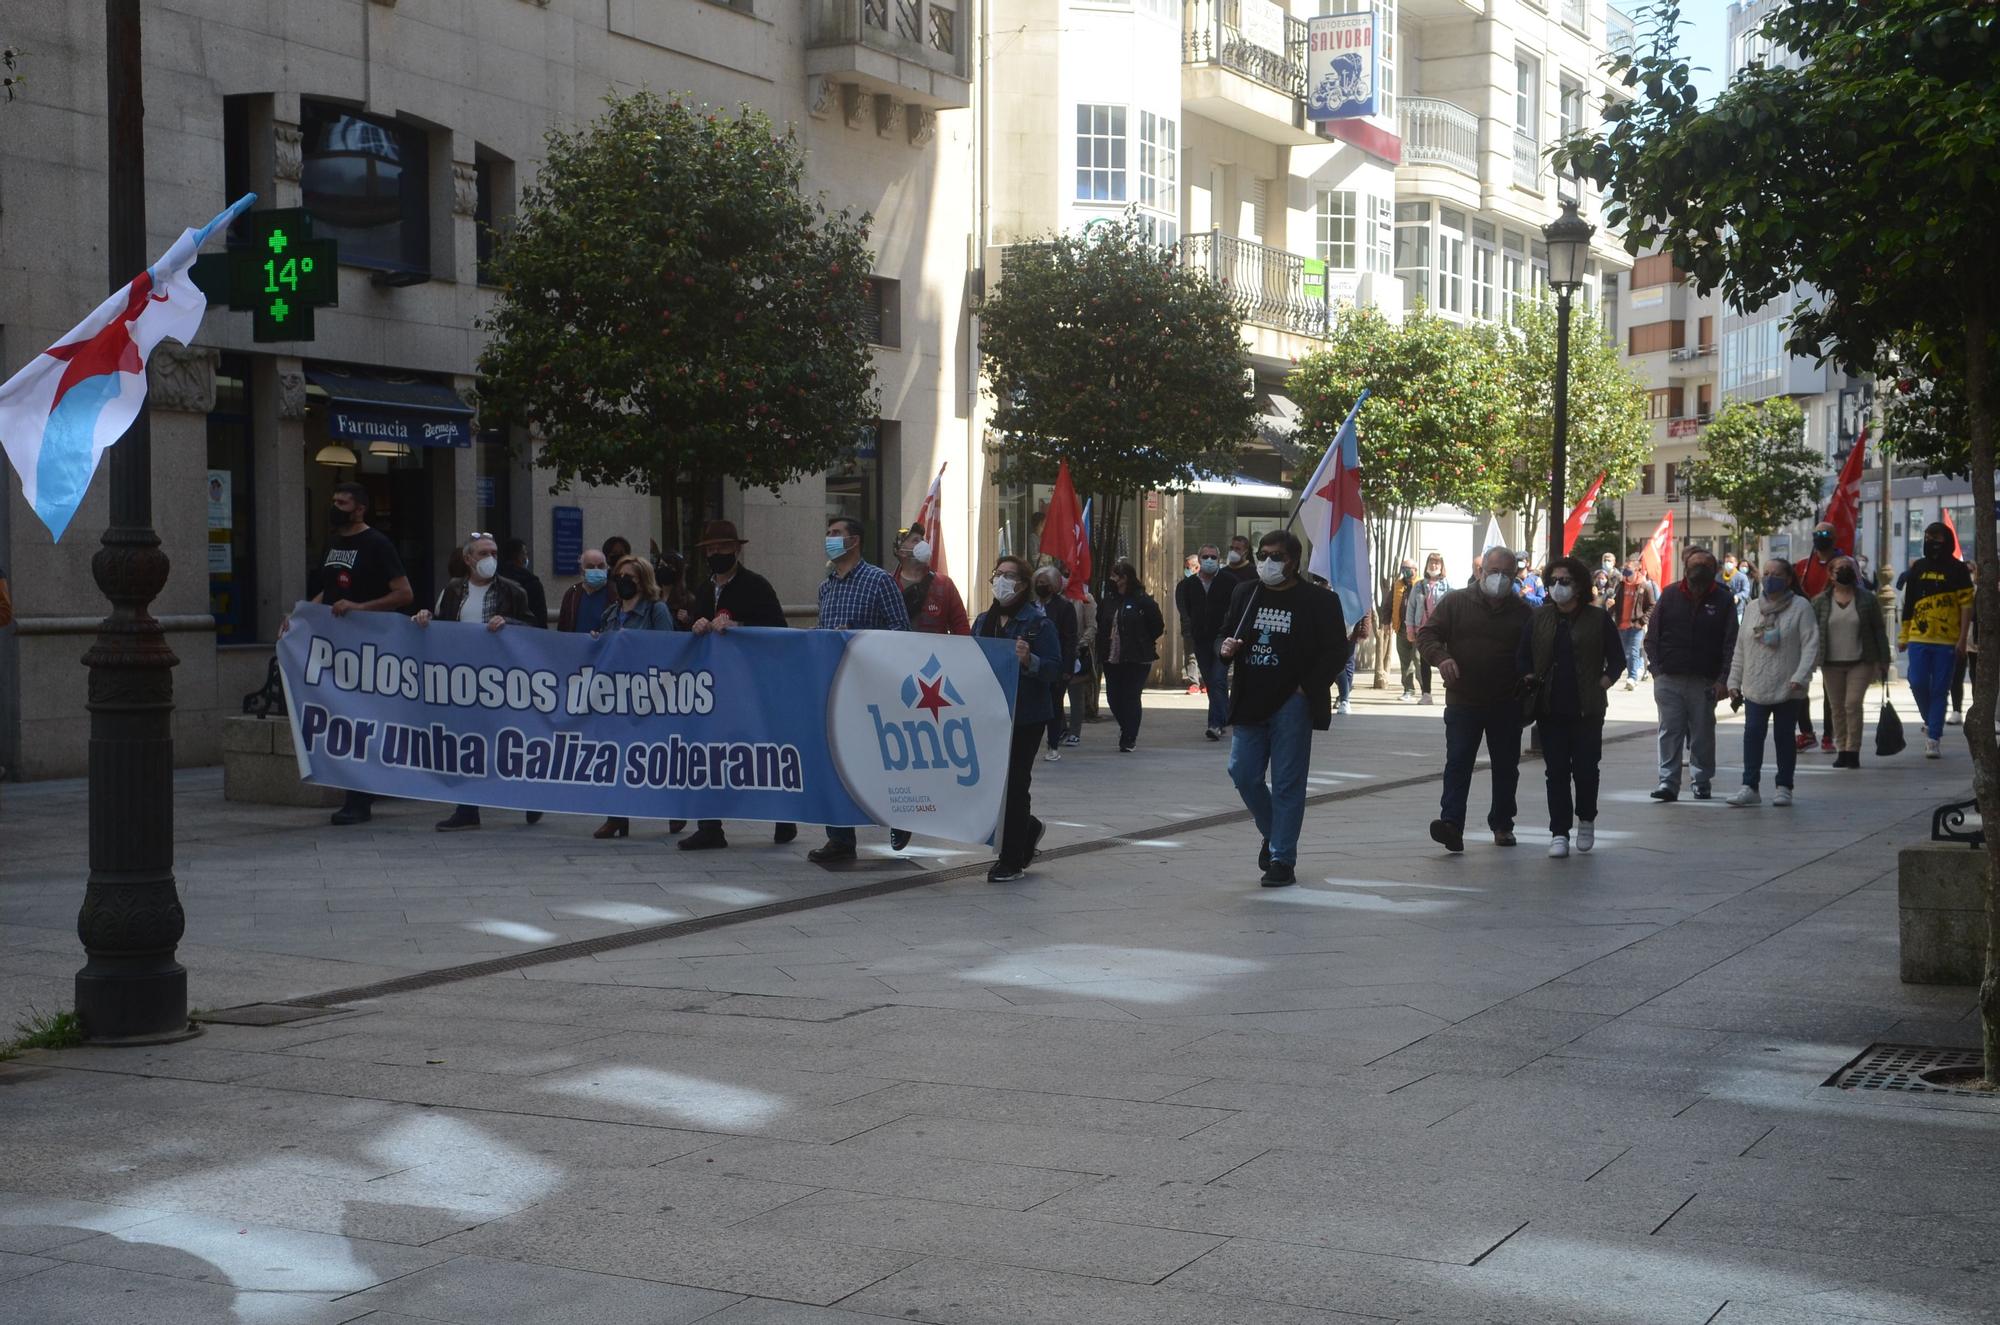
[(932, 742)]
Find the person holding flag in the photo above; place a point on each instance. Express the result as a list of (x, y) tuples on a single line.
[(1286, 640), (929, 596)]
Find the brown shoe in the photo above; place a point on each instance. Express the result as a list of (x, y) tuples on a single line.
[(614, 828)]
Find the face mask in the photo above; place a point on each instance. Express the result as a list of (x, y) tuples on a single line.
[(484, 567), (1729, 568), (836, 546), (1935, 547), (1562, 593), (1845, 575), (721, 563), (1186, 571), (1494, 584), (1209, 565), (1823, 542), (1271, 572), (1043, 589), (337, 518), (1702, 574), (1774, 585), (595, 576), (628, 587), (1235, 557), (1004, 588), (1432, 572), (921, 554)]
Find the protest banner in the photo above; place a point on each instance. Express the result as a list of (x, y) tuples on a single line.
[(809, 726)]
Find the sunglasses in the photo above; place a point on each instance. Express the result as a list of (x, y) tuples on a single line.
[(1564, 579)]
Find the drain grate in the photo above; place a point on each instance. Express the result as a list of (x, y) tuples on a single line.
[(1903, 1067)]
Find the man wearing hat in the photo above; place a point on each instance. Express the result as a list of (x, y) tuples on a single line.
[(730, 596)]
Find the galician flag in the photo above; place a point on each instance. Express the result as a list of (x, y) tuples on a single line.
[(74, 400), (1332, 516), (927, 520), (1573, 526)]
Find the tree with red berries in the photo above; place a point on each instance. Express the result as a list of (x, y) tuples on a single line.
[(675, 310)]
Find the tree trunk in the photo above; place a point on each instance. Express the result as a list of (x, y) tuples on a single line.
[(670, 507), (1104, 539), (1986, 685)]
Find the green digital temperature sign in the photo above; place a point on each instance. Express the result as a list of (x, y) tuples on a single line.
[(276, 271)]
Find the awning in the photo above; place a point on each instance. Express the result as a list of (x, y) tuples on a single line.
[(1240, 485), (365, 408), (1278, 425)]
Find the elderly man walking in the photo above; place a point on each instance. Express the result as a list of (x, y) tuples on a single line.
[(1471, 639), (1690, 639)]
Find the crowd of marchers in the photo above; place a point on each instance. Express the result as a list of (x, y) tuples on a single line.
[(1271, 648)]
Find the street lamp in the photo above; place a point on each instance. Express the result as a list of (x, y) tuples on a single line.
[(1568, 238)]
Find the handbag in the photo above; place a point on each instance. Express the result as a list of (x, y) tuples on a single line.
[(1888, 729)]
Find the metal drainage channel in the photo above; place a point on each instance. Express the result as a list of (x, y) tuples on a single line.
[(1902, 1067), (309, 1005)]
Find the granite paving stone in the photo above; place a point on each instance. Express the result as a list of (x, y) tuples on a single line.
[(97, 1295), (472, 1290), (884, 1172)]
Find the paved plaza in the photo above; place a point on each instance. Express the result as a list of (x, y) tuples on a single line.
[(1133, 1087)]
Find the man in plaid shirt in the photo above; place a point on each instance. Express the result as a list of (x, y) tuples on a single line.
[(855, 595)]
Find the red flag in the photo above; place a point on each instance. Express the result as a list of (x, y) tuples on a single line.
[(1843, 508), (1062, 533), (1658, 557), (1952, 525), (1573, 526), (927, 520)]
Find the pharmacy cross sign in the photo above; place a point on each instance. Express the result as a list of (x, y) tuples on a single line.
[(275, 270)]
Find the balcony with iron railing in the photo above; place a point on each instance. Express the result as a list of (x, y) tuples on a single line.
[(1244, 64), (1438, 133), (913, 50), (1267, 285)]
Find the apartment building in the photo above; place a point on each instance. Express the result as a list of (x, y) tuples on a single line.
[(408, 129), (1193, 112)]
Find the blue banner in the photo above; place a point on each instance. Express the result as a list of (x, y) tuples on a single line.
[(809, 726)]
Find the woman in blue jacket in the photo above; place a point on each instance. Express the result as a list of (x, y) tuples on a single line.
[(1017, 616)]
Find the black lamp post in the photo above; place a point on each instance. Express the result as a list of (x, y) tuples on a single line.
[(131, 990), (1568, 238)]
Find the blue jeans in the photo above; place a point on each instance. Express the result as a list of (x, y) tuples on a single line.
[(1930, 682), (1214, 675), (1285, 743), (1465, 726), (1783, 720), (1346, 681), (1634, 641)]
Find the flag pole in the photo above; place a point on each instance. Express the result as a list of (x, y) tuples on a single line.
[(1300, 504)]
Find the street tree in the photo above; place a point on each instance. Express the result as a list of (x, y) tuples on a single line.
[(1923, 420), (1865, 168), (1608, 432), (1103, 350), (1754, 463), (1432, 431), (1606, 534), (675, 310)]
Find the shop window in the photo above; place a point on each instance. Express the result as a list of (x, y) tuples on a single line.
[(235, 156), (367, 184), (231, 488)]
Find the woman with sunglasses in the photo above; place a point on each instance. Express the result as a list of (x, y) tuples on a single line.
[(1569, 657), (635, 605)]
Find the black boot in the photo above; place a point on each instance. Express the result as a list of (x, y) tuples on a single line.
[(461, 819)]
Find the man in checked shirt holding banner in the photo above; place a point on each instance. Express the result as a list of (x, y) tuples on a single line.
[(855, 595)]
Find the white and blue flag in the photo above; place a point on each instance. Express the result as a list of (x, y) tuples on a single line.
[(1333, 517)]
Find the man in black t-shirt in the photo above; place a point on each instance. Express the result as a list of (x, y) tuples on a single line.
[(360, 573), (1287, 640)]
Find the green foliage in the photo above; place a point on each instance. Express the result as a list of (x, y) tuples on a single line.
[(1104, 351), (673, 308), (1923, 418), (1608, 433), (1433, 429), (1604, 535), (44, 1030), (1755, 464)]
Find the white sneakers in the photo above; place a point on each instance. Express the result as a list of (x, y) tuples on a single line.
[(1052, 756), (1782, 796), (1745, 796), (1932, 750), (1558, 847), (1951, 718), (1586, 835), (1345, 708)]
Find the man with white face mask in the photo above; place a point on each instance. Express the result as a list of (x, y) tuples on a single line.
[(1471, 639), (483, 598)]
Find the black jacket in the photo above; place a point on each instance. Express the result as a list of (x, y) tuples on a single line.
[(1137, 619), (1062, 614), (531, 586), (1202, 606), (1302, 646), (1689, 638), (748, 598)]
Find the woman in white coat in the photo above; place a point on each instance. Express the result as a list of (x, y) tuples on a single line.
[(1777, 647)]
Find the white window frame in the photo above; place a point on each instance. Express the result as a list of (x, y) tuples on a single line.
[(1527, 96), (1101, 153), (1382, 237), (1485, 271), (1159, 177), (1570, 107), (1413, 240), (1337, 229), (1514, 277), (1450, 243)]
